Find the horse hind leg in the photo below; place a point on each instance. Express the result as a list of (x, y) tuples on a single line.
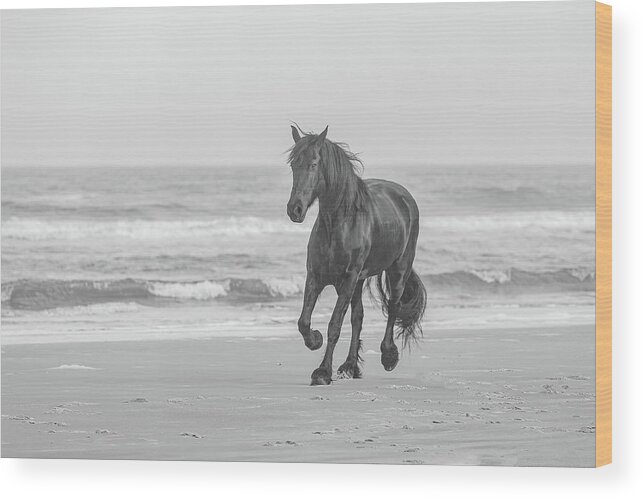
[(396, 282), (351, 368)]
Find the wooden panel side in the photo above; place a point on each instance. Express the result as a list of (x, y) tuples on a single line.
[(603, 234)]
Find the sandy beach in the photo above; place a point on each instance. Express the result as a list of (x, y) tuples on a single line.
[(481, 397)]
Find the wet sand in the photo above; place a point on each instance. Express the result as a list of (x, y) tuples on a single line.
[(481, 397)]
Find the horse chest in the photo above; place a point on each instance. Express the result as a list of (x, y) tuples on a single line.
[(332, 257)]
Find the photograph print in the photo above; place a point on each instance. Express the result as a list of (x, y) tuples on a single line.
[(311, 233)]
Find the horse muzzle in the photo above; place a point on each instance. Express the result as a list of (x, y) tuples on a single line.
[(296, 211)]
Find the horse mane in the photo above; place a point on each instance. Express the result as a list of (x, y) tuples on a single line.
[(345, 192)]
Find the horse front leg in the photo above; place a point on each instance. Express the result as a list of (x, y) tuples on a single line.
[(312, 338), (322, 375), (350, 368)]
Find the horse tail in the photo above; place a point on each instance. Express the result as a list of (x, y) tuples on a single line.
[(408, 320)]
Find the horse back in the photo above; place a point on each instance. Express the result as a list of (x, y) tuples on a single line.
[(391, 204)]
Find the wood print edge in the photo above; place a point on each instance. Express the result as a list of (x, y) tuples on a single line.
[(603, 234)]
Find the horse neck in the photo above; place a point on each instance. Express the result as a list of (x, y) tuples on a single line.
[(338, 204)]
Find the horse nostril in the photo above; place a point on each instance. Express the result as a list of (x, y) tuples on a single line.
[(298, 210)]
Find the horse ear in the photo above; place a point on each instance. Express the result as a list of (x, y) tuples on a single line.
[(295, 134), (320, 138)]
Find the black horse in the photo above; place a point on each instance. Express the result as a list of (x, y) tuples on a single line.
[(365, 228)]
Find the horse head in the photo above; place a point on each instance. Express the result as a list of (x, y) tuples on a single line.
[(307, 173)]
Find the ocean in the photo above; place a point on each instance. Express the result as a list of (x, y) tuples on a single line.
[(117, 253)]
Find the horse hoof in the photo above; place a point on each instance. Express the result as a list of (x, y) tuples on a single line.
[(390, 358), (314, 340), (320, 376), (349, 370)]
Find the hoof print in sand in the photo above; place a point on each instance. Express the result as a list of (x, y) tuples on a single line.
[(190, 434), (280, 443)]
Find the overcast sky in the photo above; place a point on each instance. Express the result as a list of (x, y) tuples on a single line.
[(485, 83)]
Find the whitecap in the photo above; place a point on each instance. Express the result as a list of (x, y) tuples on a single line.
[(203, 290)]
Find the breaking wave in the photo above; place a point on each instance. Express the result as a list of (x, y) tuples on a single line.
[(49, 294), (42, 295), (514, 280)]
